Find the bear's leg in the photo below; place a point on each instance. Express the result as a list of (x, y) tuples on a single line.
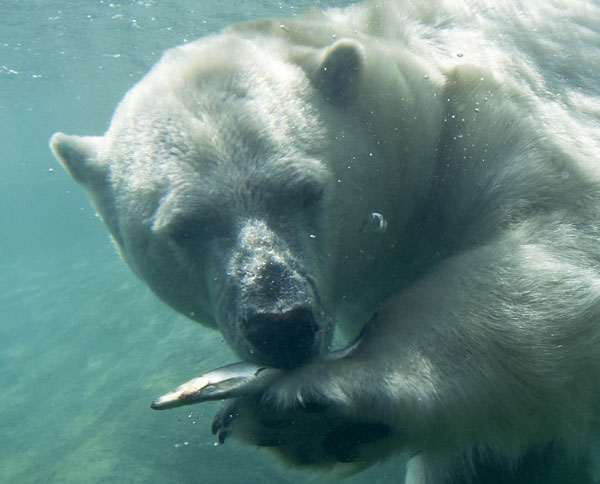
[(496, 349)]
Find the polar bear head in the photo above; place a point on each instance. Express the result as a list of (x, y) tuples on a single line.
[(235, 179)]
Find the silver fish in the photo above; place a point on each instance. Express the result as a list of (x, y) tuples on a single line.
[(234, 380), (230, 381)]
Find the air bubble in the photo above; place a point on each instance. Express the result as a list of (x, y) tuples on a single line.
[(379, 222)]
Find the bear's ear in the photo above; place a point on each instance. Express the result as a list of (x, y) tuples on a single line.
[(340, 68), (79, 156)]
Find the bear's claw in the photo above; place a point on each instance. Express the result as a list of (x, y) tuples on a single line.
[(299, 436), (221, 421)]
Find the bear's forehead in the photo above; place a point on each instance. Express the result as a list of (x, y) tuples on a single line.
[(196, 110), (213, 71), (224, 141), (211, 147)]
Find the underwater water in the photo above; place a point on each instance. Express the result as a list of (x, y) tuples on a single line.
[(84, 346)]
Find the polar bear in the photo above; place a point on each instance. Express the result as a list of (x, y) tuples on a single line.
[(425, 175)]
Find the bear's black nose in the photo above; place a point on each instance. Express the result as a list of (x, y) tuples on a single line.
[(282, 339)]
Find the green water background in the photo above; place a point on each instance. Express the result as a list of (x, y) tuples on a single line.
[(84, 345)]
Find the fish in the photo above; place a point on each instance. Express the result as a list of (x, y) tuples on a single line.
[(229, 381), (240, 379)]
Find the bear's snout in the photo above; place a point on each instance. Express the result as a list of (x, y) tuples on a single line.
[(285, 339), (276, 317)]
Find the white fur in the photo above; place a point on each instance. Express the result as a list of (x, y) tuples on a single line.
[(472, 127)]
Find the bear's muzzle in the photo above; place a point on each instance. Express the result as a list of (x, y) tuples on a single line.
[(277, 314), (285, 339)]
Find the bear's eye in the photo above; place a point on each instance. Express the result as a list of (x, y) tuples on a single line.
[(183, 236), (302, 199), (302, 196), (310, 194), (185, 232), (192, 230)]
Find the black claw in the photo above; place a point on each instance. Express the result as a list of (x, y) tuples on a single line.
[(222, 435), (223, 419), (228, 418), (216, 425)]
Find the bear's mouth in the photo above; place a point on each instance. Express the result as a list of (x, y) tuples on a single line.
[(283, 339)]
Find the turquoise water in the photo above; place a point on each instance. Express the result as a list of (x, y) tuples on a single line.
[(84, 346)]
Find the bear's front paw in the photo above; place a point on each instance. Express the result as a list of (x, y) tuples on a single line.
[(306, 433), (308, 416)]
